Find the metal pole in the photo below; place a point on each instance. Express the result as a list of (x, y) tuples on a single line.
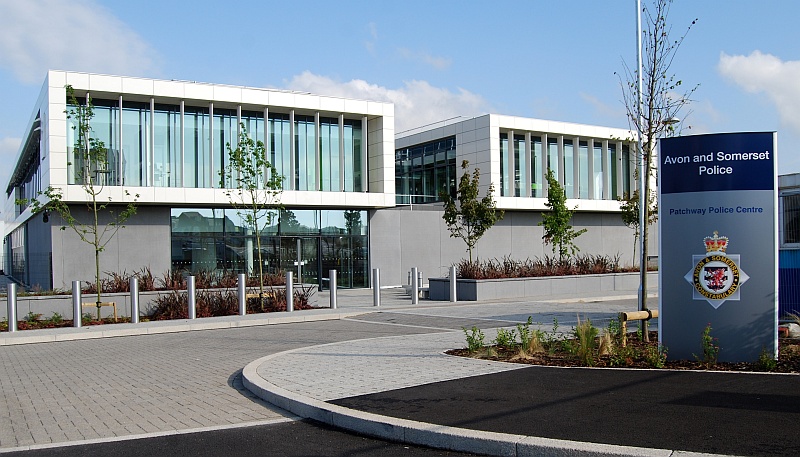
[(242, 294), (12, 307), (414, 286), (76, 304), (299, 260), (192, 297), (453, 283), (134, 300), (376, 286), (643, 172), (333, 287), (289, 292)]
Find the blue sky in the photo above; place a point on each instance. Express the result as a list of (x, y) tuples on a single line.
[(435, 59)]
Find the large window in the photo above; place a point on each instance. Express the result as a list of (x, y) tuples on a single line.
[(167, 146), (153, 151), (305, 174), (424, 171), (218, 240), (790, 206), (196, 153)]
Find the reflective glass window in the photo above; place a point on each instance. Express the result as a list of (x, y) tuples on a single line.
[(520, 160), (536, 167), (353, 166), (135, 143), (305, 160), (597, 170), (569, 169), (196, 154), (167, 142), (613, 170), (330, 164), (583, 169), (552, 155), (505, 161), (225, 133), (280, 146)]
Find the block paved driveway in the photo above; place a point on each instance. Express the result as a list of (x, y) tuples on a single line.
[(79, 390)]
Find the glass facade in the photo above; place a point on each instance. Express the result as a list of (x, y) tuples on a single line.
[(424, 171), (147, 148), (217, 239), (591, 168)]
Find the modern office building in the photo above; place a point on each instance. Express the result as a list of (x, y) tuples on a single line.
[(594, 164), (354, 196), (166, 143)]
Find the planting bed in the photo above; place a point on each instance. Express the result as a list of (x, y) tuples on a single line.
[(634, 355)]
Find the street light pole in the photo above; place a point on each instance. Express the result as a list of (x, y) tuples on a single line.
[(643, 175)]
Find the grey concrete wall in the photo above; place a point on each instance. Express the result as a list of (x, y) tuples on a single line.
[(144, 242), (406, 237)]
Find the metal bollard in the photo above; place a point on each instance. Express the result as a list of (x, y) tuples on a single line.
[(242, 295), (12, 307), (191, 297), (289, 292), (376, 286), (453, 285), (77, 315), (134, 300), (414, 286), (333, 286)]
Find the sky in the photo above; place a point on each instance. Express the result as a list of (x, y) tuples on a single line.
[(435, 59)]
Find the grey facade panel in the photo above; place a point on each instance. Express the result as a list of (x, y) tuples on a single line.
[(145, 241)]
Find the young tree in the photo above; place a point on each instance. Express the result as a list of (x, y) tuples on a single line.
[(253, 187), (91, 172), (652, 108), (471, 217), (557, 229), (629, 204)]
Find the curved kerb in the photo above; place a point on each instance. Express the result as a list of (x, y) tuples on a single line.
[(432, 435)]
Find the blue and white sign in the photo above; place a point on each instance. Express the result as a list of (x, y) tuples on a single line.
[(718, 244)]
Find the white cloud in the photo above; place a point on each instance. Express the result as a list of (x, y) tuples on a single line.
[(76, 35), (8, 152), (416, 103), (765, 73), (372, 28), (440, 63)]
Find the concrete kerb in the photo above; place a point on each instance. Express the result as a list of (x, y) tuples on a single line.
[(432, 435), (172, 326)]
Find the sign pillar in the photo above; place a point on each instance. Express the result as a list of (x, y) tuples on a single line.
[(718, 244)]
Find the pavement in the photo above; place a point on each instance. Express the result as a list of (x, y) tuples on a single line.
[(382, 372)]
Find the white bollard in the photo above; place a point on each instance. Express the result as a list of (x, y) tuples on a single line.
[(242, 294), (191, 297), (453, 285), (334, 287), (414, 286), (289, 292), (376, 286), (134, 300), (12, 307), (77, 313)]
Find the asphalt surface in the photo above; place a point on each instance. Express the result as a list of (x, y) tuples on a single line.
[(720, 413), (293, 439)]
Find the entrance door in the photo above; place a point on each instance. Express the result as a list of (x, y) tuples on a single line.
[(309, 257)]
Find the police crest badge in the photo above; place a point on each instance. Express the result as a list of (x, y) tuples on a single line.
[(716, 276)]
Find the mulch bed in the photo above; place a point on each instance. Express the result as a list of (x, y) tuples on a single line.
[(788, 358)]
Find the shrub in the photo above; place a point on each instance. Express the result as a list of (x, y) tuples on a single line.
[(474, 339), (710, 348), (585, 344), (547, 266), (506, 339)]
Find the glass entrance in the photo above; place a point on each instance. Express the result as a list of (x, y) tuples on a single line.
[(308, 258)]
